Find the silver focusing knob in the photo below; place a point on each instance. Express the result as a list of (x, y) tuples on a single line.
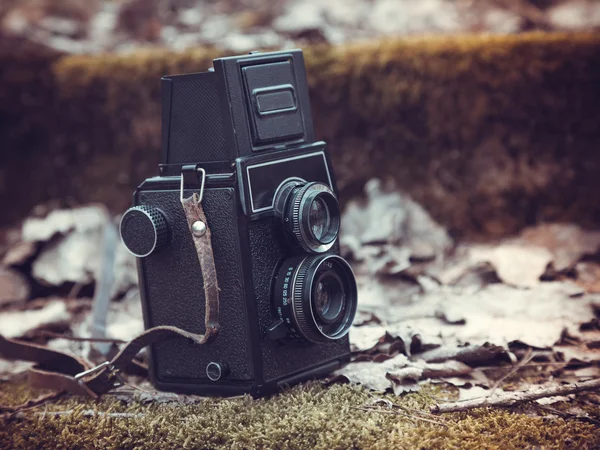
[(144, 230)]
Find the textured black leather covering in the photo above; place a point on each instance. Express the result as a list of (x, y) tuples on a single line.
[(173, 292), (281, 360), (205, 120), (196, 128)]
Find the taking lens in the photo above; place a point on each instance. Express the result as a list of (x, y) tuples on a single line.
[(328, 297), (309, 214), (316, 297)]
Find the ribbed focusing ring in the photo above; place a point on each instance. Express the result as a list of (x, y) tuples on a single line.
[(298, 229), (306, 328), (294, 303), (300, 220)]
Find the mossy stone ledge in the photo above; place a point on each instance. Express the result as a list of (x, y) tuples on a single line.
[(490, 133)]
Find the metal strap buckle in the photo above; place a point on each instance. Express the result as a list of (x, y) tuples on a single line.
[(203, 179), (113, 373)]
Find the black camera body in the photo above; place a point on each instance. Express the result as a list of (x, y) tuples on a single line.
[(241, 134)]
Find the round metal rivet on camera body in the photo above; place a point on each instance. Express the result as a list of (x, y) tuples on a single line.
[(199, 228), (215, 371)]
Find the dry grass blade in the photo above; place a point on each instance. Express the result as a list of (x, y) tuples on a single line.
[(11, 411), (399, 413), (392, 408), (526, 359), (567, 415)]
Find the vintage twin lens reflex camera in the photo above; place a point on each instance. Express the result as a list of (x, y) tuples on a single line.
[(287, 299)]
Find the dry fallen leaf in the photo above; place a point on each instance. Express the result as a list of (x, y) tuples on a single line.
[(551, 400), (19, 253), (69, 258), (125, 320), (567, 243), (474, 392), (588, 276), (474, 355), (400, 221), (365, 337), (14, 287), (516, 265), (18, 323), (405, 379), (72, 256), (63, 221), (399, 373), (578, 355), (370, 374), (498, 314)]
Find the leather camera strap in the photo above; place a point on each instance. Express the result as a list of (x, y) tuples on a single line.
[(60, 371)]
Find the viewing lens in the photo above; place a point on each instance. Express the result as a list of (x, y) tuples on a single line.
[(319, 219), (309, 214), (316, 297)]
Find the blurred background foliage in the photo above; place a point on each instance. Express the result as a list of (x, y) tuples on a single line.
[(489, 121)]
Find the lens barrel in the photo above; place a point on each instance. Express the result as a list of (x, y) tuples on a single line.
[(309, 214), (316, 297)]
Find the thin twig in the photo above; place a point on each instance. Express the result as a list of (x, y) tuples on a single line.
[(535, 364), (74, 292), (92, 413), (415, 411), (138, 388), (513, 398), (527, 358), (567, 415), (372, 406), (10, 411), (399, 413)]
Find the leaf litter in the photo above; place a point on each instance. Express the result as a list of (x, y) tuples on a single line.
[(431, 309), (469, 303)]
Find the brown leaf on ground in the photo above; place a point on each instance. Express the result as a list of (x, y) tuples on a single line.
[(399, 373), (498, 314), (588, 276), (523, 260), (405, 379), (577, 355), (63, 221), (366, 337), (18, 323), (516, 264), (14, 287), (400, 222), (473, 392), (567, 243), (474, 355), (74, 244), (19, 253), (372, 375)]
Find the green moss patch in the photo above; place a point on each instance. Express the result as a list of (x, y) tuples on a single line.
[(306, 416)]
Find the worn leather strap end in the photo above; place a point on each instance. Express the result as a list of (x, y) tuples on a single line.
[(60, 371), (201, 236)]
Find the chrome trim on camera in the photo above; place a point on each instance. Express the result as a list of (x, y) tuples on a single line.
[(279, 161)]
